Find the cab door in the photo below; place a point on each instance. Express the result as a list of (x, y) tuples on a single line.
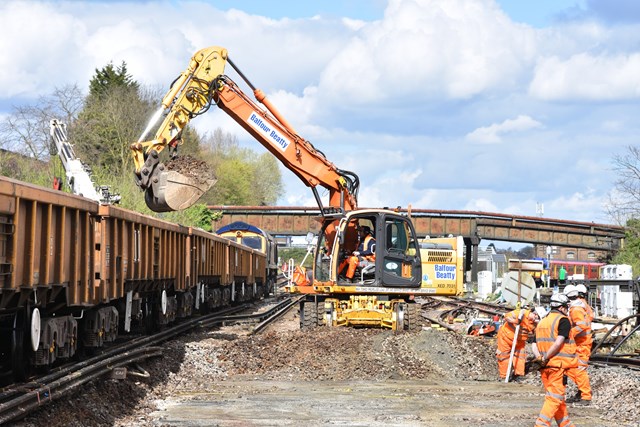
[(401, 264)]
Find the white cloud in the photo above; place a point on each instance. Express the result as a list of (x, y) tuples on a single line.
[(493, 134), (390, 100), (587, 76), (456, 49)]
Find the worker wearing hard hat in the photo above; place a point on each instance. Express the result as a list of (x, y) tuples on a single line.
[(556, 352), (581, 315), (365, 254), (526, 319)]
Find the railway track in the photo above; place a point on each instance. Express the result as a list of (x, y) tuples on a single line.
[(18, 400), (443, 310), (607, 351)]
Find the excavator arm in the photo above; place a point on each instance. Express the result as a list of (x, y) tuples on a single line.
[(203, 83)]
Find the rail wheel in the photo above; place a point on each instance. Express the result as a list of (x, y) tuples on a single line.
[(150, 315), (26, 330), (310, 315), (413, 319)]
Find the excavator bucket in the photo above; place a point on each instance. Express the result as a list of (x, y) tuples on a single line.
[(174, 191)]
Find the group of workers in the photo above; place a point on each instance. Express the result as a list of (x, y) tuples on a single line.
[(562, 349)]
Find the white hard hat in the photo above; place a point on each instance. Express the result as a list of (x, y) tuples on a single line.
[(559, 300), (581, 288), (571, 291), (541, 311)]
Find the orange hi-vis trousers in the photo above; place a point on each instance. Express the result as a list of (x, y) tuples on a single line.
[(579, 375), (554, 406), (504, 352)]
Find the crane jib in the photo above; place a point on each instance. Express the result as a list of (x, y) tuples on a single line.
[(272, 135)]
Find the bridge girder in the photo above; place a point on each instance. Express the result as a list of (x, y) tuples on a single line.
[(298, 221)]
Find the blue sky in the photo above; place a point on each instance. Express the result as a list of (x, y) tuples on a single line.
[(484, 105), (534, 12)]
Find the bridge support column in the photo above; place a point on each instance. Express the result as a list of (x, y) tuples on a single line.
[(471, 257)]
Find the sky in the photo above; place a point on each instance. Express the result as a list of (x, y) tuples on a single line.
[(484, 105)]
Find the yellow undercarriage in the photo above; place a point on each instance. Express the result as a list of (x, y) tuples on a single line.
[(364, 310)]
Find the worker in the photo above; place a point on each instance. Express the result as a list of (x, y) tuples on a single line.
[(527, 319), (555, 352), (581, 316), (365, 254), (562, 275)]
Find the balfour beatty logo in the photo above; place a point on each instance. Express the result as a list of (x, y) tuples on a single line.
[(445, 271), (272, 135)]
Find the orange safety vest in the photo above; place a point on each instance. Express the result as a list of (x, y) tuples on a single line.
[(581, 323), (365, 246), (546, 334), (526, 325)]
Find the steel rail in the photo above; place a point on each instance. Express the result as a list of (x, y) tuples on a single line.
[(48, 392), (276, 314), (18, 401)]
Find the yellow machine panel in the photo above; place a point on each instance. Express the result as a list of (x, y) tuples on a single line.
[(443, 265)]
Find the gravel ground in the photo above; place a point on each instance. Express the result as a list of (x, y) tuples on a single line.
[(230, 367)]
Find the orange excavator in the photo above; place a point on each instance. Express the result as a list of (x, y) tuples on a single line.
[(379, 294)]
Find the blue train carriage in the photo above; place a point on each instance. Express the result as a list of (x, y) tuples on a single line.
[(256, 238)]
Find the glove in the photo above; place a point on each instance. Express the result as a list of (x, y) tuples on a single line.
[(536, 364)]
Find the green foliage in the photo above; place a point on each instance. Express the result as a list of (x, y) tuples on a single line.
[(197, 215), (297, 254), (630, 253), (101, 128), (110, 77), (104, 130), (26, 169), (244, 177)]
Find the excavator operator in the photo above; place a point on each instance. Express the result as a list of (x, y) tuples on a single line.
[(365, 254)]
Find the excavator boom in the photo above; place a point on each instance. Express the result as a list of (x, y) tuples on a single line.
[(202, 84), (345, 289)]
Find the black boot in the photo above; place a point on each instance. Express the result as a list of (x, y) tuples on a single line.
[(575, 398)]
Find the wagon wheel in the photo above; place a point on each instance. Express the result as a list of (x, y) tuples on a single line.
[(25, 330), (149, 315)]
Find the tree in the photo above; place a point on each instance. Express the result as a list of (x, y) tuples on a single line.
[(105, 130), (115, 110), (109, 77), (630, 254), (623, 206), (624, 200), (26, 129), (244, 177), (102, 126), (267, 180)]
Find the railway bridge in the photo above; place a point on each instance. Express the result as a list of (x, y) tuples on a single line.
[(472, 225)]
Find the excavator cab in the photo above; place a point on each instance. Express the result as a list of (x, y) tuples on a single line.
[(396, 262)]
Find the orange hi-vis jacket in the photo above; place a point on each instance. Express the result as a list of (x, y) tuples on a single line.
[(365, 248), (581, 322), (546, 334), (511, 321)]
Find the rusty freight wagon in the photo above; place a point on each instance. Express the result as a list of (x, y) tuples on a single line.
[(75, 273)]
